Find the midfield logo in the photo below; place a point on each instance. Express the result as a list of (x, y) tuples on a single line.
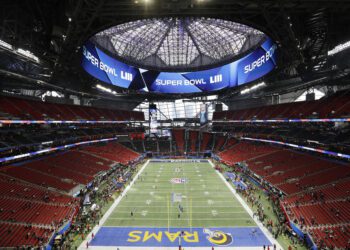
[(178, 180)]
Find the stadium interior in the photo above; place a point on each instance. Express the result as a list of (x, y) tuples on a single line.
[(175, 124)]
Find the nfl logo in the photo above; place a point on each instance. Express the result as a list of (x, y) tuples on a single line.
[(178, 180)]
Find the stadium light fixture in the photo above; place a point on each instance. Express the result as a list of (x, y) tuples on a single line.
[(19, 51), (51, 93), (245, 91), (108, 90), (5, 45), (28, 54), (339, 48), (254, 87)]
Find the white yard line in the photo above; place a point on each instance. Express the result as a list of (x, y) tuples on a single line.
[(150, 212), (247, 208), (150, 185), (150, 188), (144, 206), (162, 194), (117, 201), (226, 201), (111, 209), (187, 210), (171, 248), (158, 227), (185, 219)]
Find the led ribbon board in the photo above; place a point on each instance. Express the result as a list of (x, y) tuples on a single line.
[(5, 122), (345, 156), (285, 120), (47, 150), (251, 67), (63, 122)]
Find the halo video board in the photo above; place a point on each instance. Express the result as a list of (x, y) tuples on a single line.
[(251, 67)]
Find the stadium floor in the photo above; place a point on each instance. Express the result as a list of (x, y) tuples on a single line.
[(167, 200)]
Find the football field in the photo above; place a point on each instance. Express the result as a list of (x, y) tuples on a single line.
[(173, 203)]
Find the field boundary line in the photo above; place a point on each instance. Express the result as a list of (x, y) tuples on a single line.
[(164, 201), (175, 219), (184, 206), (150, 212), (247, 208), (143, 226), (111, 209), (169, 248)]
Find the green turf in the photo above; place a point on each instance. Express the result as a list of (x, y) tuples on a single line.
[(206, 199)]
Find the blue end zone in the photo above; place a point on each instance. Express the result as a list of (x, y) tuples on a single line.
[(197, 237)]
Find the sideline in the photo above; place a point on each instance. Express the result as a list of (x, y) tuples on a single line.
[(247, 208), (111, 209)]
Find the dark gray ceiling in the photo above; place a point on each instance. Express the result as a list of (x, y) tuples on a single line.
[(305, 31)]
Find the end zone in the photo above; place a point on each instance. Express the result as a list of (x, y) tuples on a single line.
[(249, 237)]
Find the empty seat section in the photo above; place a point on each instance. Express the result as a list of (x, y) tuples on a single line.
[(336, 106), (179, 135), (244, 151), (14, 235), (37, 178), (38, 110), (113, 151)]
